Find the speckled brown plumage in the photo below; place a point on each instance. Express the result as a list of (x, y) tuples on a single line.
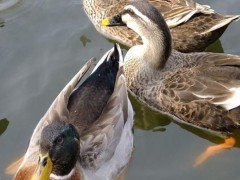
[(172, 90), (201, 89), (187, 37), (191, 24)]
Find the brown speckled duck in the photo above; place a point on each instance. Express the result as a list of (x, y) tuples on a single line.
[(193, 26), (87, 131), (200, 89)]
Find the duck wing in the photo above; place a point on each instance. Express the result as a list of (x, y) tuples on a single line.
[(57, 111), (176, 12), (221, 77), (220, 91), (99, 142), (205, 95)]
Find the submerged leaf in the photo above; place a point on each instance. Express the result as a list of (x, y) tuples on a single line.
[(84, 40), (3, 125)]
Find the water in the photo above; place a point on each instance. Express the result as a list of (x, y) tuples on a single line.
[(44, 43)]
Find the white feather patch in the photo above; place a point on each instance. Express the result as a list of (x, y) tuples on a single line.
[(234, 101), (228, 104), (66, 177)]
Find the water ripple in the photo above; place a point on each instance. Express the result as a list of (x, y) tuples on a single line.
[(11, 9), (6, 4)]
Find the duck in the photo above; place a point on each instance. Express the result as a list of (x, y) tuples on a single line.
[(200, 89), (87, 131), (193, 26)]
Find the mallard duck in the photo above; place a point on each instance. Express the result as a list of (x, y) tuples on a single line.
[(200, 89), (86, 133), (193, 26)]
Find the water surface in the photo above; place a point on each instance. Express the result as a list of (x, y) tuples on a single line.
[(44, 43)]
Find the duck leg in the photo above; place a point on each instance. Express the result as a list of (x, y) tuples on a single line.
[(212, 150)]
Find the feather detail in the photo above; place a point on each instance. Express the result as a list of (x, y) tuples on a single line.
[(100, 141), (58, 110), (225, 21)]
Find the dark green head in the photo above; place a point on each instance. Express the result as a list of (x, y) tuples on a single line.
[(61, 141)]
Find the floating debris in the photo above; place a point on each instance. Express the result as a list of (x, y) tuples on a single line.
[(84, 40)]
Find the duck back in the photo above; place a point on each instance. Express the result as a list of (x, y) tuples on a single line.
[(88, 100)]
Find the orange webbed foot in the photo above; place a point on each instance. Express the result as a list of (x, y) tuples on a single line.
[(212, 150)]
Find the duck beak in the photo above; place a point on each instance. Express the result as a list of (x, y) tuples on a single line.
[(44, 168), (113, 21)]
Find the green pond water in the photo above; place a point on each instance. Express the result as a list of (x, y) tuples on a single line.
[(44, 43)]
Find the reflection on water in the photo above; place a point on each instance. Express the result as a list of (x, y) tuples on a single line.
[(6, 4), (3, 125), (11, 9), (215, 47), (43, 43), (146, 119), (1, 22)]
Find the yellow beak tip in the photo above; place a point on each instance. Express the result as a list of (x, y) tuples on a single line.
[(43, 169), (105, 22)]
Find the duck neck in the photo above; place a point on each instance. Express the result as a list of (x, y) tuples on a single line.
[(64, 177), (157, 47)]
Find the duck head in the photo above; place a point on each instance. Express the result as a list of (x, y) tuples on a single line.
[(59, 150), (59, 142), (146, 21)]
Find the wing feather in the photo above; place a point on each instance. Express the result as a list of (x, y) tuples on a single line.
[(208, 84), (99, 142), (58, 110), (176, 12)]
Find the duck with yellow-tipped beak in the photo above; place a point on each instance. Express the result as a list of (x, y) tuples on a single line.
[(198, 89)]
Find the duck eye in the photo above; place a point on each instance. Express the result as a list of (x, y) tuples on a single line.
[(118, 17), (130, 11), (60, 140), (44, 162)]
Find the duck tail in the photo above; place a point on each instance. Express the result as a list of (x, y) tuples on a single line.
[(112, 56), (224, 22)]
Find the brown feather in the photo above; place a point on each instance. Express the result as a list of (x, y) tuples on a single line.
[(197, 88), (193, 26)]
